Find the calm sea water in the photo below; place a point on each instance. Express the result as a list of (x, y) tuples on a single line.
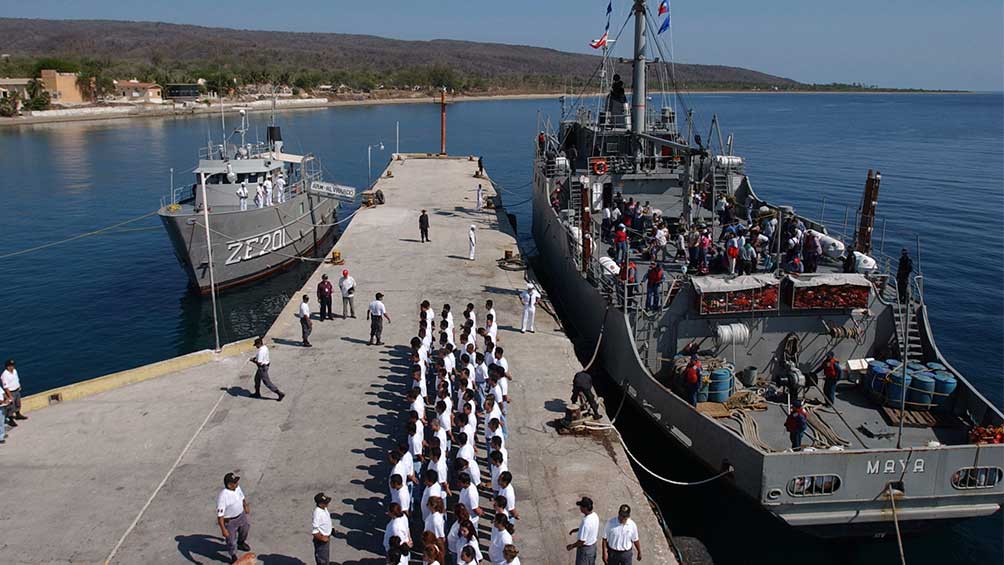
[(116, 301)]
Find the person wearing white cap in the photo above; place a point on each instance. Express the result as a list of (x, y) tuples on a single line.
[(529, 298), (473, 241), (242, 195)]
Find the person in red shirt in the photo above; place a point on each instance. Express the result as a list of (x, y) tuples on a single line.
[(324, 290), (692, 378), (654, 276), (831, 374), (621, 243)]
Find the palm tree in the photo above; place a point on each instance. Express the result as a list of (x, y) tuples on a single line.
[(35, 88)]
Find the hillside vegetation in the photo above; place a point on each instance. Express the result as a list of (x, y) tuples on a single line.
[(170, 53)]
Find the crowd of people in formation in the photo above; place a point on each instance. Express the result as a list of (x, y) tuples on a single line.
[(450, 487)]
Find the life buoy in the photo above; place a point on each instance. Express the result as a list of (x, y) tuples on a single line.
[(600, 166)]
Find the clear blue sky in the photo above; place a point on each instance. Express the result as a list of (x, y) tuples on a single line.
[(899, 43)]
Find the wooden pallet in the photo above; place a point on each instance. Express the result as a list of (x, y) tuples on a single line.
[(713, 409), (911, 418)]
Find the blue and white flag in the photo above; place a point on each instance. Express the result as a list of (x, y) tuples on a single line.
[(665, 25)]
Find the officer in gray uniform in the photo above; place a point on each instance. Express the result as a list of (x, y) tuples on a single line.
[(232, 516)]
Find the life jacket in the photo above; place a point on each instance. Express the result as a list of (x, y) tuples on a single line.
[(654, 276), (796, 420), (831, 370), (694, 372), (620, 236)]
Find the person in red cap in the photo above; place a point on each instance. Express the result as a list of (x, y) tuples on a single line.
[(347, 285), (324, 291)]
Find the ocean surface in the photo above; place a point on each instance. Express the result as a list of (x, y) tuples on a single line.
[(119, 300)]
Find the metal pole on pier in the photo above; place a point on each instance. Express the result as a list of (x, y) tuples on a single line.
[(209, 250), (173, 201), (442, 121)]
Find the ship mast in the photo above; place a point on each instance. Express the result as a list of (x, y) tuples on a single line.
[(638, 77)]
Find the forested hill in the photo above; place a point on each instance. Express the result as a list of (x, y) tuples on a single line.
[(175, 53)]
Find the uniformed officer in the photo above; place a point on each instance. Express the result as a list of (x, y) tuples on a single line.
[(232, 512), (306, 324), (259, 197), (473, 241), (268, 191), (479, 198), (261, 375), (320, 530), (529, 298), (280, 188), (242, 195), (423, 226), (375, 313)]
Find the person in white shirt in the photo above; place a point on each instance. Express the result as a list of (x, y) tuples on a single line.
[(259, 197), (501, 537), (511, 552), (232, 515), (466, 452), (268, 192), (347, 285), (453, 536), (479, 197), (432, 488), (491, 328), (498, 466), (529, 298), (506, 491), (398, 526), (306, 324), (375, 313), (470, 550), (11, 383), (620, 536), (280, 188), (472, 239), (435, 522), (242, 195), (261, 359), (470, 314), (399, 492), (588, 530), (469, 497), (320, 529)]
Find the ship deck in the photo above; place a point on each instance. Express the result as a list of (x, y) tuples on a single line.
[(131, 474)]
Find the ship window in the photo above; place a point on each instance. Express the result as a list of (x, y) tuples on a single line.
[(813, 485), (977, 477)]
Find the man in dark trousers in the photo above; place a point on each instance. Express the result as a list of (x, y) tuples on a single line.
[(320, 529), (375, 313), (831, 374), (324, 291), (306, 325), (232, 513), (903, 274), (262, 359), (582, 383), (481, 166), (796, 423), (693, 375), (423, 226)]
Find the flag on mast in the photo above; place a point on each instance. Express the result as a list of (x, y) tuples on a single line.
[(602, 41), (664, 7)]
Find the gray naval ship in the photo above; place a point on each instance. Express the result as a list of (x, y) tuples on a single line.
[(209, 225), (884, 455)]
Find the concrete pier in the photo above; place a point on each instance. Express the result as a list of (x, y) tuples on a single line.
[(131, 473)]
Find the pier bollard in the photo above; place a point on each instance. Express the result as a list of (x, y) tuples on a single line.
[(336, 257)]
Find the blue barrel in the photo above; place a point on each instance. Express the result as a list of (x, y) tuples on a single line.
[(720, 387), (935, 367), (894, 390), (893, 363), (914, 366), (944, 385), (876, 378), (920, 395)]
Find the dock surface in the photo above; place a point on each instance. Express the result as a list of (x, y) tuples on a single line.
[(132, 473)]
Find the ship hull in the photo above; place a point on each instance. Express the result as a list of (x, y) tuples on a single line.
[(249, 245), (860, 508)]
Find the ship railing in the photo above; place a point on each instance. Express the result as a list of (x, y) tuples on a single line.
[(216, 151), (177, 195)]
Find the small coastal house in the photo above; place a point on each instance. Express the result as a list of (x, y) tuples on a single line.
[(138, 92), (62, 87)]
